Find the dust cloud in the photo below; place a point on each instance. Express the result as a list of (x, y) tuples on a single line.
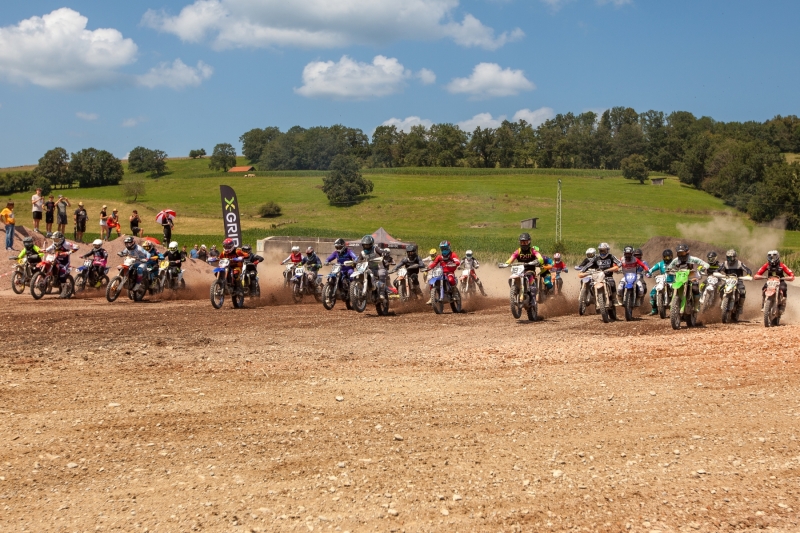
[(752, 244)]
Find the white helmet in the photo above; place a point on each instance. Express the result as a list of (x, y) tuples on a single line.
[(97, 243), (173, 246), (603, 248), (590, 253), (295, 249), (468, 253)]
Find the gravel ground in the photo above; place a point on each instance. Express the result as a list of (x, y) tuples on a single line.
[(171, 416)]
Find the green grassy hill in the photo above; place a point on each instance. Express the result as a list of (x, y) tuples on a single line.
[(475, 208)]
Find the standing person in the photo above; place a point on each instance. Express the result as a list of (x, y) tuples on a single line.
[(184, 253), (36, 207), (168, 224), (80, 222), (113, 223), (213, 252), (202, 254), (49, 208), (104, 233), (7, 217), (135, 223), (61, 212), (193, 252)]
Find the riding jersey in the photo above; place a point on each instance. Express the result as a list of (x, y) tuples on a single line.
[(471, 263), (779, 271), (312, 262), (713, 268), (661, 268), (448, 265), (34, 255), (412, 265), (560, 267), (632, 265), (584, 263), (342, 257), (175, 258), (525, 256), (739, 269), (294, 258), (603, 263), (137, 252), (691, 261), (98, 254)]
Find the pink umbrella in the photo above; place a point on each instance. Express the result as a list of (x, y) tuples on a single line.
[(162, 216)]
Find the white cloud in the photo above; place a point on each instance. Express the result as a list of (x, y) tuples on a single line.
[(133, 122), (58, 52), (176, 76), (535, 117), (348, 79), (86, 116), (615, 3), (405, 124), (555, 5), (489, 80), (324, 24), (426, 76), (484, 120)]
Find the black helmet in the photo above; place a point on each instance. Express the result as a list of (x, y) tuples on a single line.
[(129, 243), (666, 255), (338, 244), (683, 252), (28, 243), (712, 257), (367, 243), (627, 251), (247, 248), (524, 239), (637, 253)]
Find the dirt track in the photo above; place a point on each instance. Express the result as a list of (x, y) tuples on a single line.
[(170, 416)]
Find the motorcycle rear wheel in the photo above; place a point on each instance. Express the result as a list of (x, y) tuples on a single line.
[(217, 294), (18, 283), (329, 296), (516, 305), (39, 286), (357, 300), (628, 302), (455, 300), (601, 305)]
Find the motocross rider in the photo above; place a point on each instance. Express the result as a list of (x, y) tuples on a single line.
[(97, 253), (139, 254), (374, 258), (152, 260), (174, 256), (590, 253), (471, 262), (732, 266), (63, 250), (312, 263), (606, 262), (684, 259), (295, 257), (641, 272), (31, 251), (713, 266), (449, 262), (631, 263), (251, 261), (342, 255), (774, 268), (660, 268), (412, 263), (235, 255), (526, 254)]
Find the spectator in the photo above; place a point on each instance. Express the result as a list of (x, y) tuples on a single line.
[(202, 254), (213, 252), (135, 221), (49, 208), (80, 222), (61, 212), (168, 224), (104, 233), (193, 252), (36, 202), (184, 253), (113, 223), (7, 217)]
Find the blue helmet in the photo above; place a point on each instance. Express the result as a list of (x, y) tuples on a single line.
[(444, 247)]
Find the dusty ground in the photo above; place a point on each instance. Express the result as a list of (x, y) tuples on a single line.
[(170, 416)]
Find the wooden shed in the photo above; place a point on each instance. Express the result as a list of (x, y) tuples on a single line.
[(528, 223), (657, 181)]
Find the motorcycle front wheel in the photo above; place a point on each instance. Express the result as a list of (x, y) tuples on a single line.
[(726, 312), (237, 298), (436, 303), (113, 289), (217, 294), (628, 302), (582, 301), (382, 306), (18, 283), (80, 283), (39, 286), (357, 300), (675, 311), (68, 287), (297, 293), (601, 305), (533, 311), (662, 307), (402, 292), (768, 305), (329, 296), (514, 301)]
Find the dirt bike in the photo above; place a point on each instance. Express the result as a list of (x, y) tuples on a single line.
[(467, 285), (302, 285), (170, 277), (663, 295), (250, 279), (730, 296), (586, 296), (773, 302), (709, 293), (23, 274), (126, 279), (629, 295), (92, 273), (226, 284), (522, 293), (601, 285), (48, 279), (364, 289), (288, 275), (682, 306), (442, 292), (337, 287)]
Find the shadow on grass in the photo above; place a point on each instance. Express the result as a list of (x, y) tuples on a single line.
[(357, 201)]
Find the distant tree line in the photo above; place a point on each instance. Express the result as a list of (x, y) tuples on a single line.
[(142, 159), (740, 162), (88, 168)]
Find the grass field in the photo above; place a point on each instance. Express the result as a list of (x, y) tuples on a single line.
[(479, 209)]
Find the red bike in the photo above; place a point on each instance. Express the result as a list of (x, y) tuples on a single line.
[(48, 278)]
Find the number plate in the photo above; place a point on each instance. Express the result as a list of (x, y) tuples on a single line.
[(50, 258), (129, 261), (773, 283), (402, 273), (362, 267), (437, 272), (87, 263), (224, 263), (299, 271), (517, 270), (336, 269)]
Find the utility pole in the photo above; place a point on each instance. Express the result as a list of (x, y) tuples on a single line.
[(558, 213)]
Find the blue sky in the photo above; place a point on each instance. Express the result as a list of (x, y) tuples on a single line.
[(182, 74)]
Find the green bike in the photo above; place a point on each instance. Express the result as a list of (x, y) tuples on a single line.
[(682, 306)]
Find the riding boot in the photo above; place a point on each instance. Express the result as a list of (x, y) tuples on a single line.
[(480, 286), (654, 311)]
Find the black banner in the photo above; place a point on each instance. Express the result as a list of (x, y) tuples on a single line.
[(230, 215)]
